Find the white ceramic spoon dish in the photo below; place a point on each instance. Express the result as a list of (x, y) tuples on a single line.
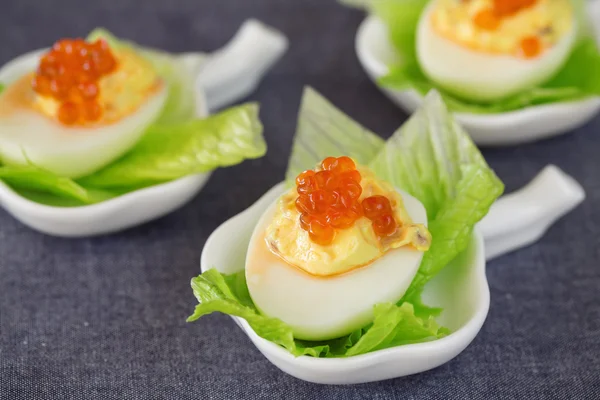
[(375, 53), (461, 288), (252, 52)]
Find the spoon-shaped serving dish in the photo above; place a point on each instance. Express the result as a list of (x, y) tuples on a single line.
[(375, 53), (515, 220), (224, 77)]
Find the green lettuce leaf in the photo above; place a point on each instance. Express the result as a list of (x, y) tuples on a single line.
[(576, 80), (325, 131), (179, 71), (30, 178), (430, 157), (393, 325), (166, 152)]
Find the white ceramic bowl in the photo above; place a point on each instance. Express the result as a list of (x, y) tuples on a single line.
[(225, 76), (375, 53), (461, 288)]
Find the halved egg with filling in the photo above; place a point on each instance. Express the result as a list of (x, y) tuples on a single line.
[(331, 248), (84, 105), (485, 50)]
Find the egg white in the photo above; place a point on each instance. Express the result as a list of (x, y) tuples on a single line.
[(26, 136), (480, 76), (326, 308)]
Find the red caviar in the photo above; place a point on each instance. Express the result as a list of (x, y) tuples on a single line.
[(489, 19), (531, 47), (379, 210), (507, 8), (70, 73), (328, 199)]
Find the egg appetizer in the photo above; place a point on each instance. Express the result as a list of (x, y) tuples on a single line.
[(487, 56), (88, 120), (81, 107), (334, 261), (490, 49), (339, 232)]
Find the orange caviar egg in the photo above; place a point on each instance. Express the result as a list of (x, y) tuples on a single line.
[(328, 199), (384, 225), (374, 206), (506, 8), (70, 73), (320, 232), (379, 210), (531, 47), (68, 113), (91, 110), (486, 19)]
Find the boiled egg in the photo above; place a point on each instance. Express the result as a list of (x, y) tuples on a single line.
[(485, 50), (327, 291), (72, 140)]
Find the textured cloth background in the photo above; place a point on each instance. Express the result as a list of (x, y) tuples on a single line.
[(104, 318)]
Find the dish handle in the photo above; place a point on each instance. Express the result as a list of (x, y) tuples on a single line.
[(520, 218), (235, 70)]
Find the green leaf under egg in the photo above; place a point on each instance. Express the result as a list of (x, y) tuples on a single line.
[(577, 79), (176, 145), (392, 325), (168, 152), (165, 153), (432, 158)]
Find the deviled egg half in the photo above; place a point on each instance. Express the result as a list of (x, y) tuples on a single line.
[(486, 50), (80, 107), (332, 247)]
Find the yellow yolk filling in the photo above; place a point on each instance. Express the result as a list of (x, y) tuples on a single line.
[(351, 248), (470, 23), (121, 93)]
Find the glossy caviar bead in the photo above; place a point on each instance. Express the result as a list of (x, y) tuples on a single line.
[(321, 200), (91, 110), (68, 113), (353, 175), (321, 233), (487, 20), (304, 177), (344, 164), (304, 205), (305, 221), (384, 225), (375, 206), (327, 163), (340, 219), (351, 188), (69, 73), (59, 89), (322, 177), (531, 47), (88, 90), (506, 8), (41, 84)]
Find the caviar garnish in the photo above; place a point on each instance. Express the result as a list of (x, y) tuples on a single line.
[(489, 19), (70, 73), (531, 47), (328, 199), (507, 8), (379, 210)]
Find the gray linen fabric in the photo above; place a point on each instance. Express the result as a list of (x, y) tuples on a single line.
[(104, 318)]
